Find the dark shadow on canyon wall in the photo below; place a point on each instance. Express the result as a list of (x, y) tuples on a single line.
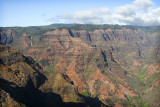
[(31, 96)]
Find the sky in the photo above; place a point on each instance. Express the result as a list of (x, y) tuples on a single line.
[(45, 12)]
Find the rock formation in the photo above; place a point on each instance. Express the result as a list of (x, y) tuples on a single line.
[(6, 37), (116, 66), (22, 83)]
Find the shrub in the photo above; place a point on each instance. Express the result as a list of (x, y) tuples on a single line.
[(109, 102), (85, 93), (44, 62)]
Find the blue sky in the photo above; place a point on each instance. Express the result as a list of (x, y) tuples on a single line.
[(45, 12)]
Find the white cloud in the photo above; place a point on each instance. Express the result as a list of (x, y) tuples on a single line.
[(148, 18), (125, 10), (143, 4), (139, 12), (87, 16)]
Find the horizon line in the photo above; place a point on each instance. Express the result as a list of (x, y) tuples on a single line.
[(78, 24)]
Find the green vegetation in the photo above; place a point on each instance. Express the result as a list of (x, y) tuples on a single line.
[(153, 77), (39, 30), (135, 101), (123, 102), (32, 30), (150, 29), (44, 62), (142, 72), (142, 75), (51, 67), (91, 27), (88, 94), (89, 70), (19, 48), (86, 74), (118, 45), (85, 93), (127, 58), (140, 103), (146, 104), (97, 84), (109, 102)]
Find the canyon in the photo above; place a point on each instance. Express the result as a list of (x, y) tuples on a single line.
[(85, 65)]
